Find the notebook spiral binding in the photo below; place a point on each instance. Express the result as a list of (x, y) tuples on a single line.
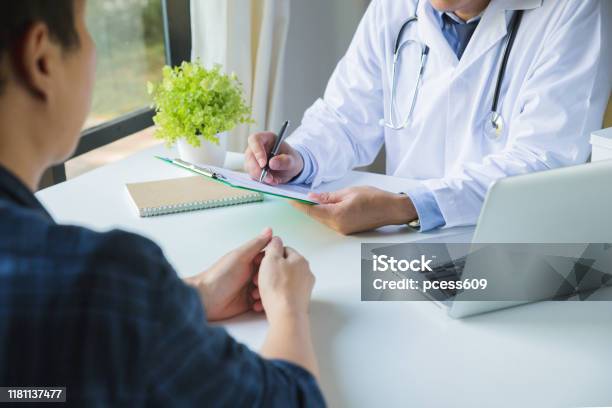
[(198, 205)]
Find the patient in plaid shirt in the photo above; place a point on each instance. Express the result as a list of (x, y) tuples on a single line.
[(104, 314)]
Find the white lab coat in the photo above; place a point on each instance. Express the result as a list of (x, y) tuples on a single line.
[(556, 87)]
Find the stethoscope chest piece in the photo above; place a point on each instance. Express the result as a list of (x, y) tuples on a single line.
[(494, 126)]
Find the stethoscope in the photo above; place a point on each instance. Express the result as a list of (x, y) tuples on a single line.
[(494, 124)]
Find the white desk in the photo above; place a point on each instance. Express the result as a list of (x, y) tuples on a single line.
[(406, 354)]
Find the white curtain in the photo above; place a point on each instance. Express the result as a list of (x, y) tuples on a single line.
[(247, 37)]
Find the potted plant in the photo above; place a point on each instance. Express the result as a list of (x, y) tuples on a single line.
[(195, 107)]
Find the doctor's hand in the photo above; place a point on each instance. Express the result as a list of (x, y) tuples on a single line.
[(358, 209), (227, 288), (283, 167)]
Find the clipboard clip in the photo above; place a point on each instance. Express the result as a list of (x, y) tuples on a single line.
[(202, 170)]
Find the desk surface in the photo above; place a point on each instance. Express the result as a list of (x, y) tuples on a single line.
[(404, 354)]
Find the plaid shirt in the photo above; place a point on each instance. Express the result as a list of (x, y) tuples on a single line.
[(105, 315)]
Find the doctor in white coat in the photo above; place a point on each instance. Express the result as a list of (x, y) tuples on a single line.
[(449, 126)]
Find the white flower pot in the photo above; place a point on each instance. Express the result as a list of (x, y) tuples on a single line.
[(208, 152)]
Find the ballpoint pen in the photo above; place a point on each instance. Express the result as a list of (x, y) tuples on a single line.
[(275, 149)]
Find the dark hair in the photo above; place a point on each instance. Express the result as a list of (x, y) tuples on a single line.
[(18, 15)]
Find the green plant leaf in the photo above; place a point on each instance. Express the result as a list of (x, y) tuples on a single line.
[(192, 102)]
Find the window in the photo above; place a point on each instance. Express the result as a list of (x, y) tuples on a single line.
[(134, 39), (129, 37)]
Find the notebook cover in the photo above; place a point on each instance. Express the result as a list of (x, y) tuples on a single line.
[(185, 194)]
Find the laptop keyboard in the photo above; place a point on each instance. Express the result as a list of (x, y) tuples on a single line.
[(450, 271)]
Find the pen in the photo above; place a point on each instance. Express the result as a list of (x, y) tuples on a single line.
[(275, 149)]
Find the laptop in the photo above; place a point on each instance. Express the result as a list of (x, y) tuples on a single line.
[(566, 212)]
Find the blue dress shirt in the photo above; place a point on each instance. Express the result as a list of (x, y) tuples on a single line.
[(456, 31)]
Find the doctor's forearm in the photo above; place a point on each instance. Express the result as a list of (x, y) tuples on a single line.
[(306, 175), (399, 210)]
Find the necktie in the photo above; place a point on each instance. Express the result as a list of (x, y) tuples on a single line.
[(464, 33)]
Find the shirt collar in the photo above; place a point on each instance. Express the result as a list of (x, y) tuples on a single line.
[(455, 18), (13, 190)]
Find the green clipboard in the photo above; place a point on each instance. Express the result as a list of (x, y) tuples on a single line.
[(220, 178)]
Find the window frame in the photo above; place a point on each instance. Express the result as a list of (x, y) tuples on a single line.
[(177, 40)]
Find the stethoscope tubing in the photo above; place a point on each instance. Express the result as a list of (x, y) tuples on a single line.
[(514, 25)]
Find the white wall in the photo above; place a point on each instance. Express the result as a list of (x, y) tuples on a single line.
[(319, 34)]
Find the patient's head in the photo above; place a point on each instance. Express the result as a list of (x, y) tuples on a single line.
[(47, 61)]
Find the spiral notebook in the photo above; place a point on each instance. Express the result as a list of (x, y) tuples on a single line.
[(186, 194)]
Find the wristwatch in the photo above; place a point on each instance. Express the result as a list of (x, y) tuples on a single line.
[(416, 224)]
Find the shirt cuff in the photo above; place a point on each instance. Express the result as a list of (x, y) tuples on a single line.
[(308, 172), (427, 208)]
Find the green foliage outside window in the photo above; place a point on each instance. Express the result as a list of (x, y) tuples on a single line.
[(129, 38)]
